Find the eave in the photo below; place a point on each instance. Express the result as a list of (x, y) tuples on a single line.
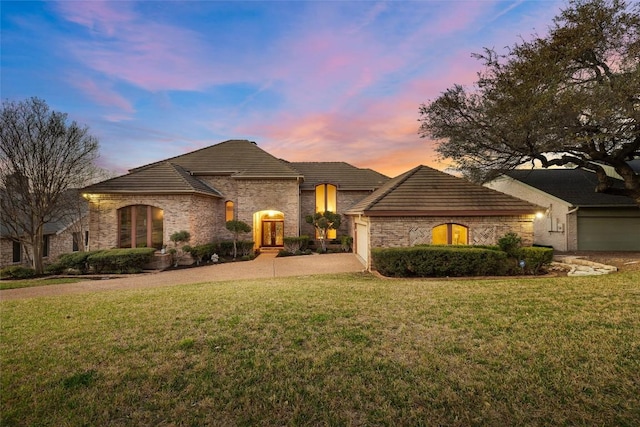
[(447, 213)]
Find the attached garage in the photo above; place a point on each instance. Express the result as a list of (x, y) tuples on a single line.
[(427, 206), (609, 229), (362, 242)]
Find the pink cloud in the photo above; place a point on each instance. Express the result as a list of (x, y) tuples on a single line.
[(104, 95)]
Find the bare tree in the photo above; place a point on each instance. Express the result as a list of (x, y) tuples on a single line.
[(42, 157)]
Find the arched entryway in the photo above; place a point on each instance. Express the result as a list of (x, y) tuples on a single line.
[(268, 228)]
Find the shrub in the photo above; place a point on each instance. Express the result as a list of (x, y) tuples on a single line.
[(76, 261), (536, 258), (294, 245), (346, 243), (55, 268), (203, 252), (510, 243), (226, 248), (427, 261), (120, 260), (17, 272)]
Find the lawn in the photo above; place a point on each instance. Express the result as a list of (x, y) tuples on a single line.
[(27, 283), (346, 349)]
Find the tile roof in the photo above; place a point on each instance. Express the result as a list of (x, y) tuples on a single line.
[(424, 191), (575, 186), (341, 174), (159, 178), (239, 158)]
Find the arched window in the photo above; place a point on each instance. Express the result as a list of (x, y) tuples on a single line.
[(327, 200), (140, 226), (229, 214), (450, 234)]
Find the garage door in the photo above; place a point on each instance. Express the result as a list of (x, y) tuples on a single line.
[(362, 243), (609, 231)]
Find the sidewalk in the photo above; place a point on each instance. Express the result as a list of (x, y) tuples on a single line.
[(266, 265)]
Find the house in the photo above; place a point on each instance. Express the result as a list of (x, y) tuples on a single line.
[(200, 191), (426, 206), (576, 217), (69, 233)]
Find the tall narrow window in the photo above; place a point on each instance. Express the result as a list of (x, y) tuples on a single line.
[(327, 200), (229, 213), (45, 245), (140, 226), (76, 241), (17, 251), (450, 234)]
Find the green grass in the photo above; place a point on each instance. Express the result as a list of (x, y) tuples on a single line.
[(27, 283), (329, 350)]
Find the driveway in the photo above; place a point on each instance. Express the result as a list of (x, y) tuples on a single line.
[(266, 265)]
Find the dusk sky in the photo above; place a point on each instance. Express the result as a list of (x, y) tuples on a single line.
[(308, 81)]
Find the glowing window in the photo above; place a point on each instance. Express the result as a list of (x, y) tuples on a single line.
[(327, 200), (140, 226), (228, 211), (450, 234)]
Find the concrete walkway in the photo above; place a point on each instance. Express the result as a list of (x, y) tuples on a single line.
[(266, 265)]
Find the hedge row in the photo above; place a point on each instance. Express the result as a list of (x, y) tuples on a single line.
[(203, 253), (456, 261), (107, 261)]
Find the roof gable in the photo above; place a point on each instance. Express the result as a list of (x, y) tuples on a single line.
[(424, 191), (574, 186), (159, 178)]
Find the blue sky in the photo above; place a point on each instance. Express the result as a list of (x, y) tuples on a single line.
[(308, 81)]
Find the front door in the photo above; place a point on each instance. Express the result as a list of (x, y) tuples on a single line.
[(272, 233)]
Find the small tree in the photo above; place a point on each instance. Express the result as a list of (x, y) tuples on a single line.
[(237, 227), (178, 238), (323, 222)]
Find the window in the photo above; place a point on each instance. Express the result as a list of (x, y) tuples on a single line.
[(17, 251), (76, 241), (140, 226), (326, 200), (450, 234), (45, 246), (228, 211)]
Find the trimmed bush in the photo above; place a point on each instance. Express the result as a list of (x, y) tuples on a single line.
[(202, 253), (346, 243), (17, 272), (536, 259), (76, 261), (120, 260), (294, 245), (439, 261)]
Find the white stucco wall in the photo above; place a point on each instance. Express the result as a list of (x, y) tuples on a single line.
[(557, 227)]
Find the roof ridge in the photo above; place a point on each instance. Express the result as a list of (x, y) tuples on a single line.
[(184, 154)]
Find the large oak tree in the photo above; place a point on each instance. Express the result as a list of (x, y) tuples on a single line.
[(42, 158), (571, 97)]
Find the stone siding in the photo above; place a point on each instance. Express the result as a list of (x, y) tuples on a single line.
[(388, 232), (59, 244), (193, 213)]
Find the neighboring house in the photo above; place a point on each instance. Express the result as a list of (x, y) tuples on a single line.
[(426, 206), (66, 235), (200, 191), (576, 217)]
